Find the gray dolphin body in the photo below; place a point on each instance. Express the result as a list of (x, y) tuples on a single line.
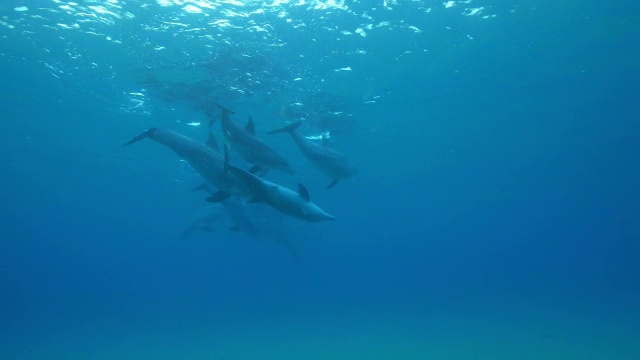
[(235, 210), (244, 142), (333, 163), (205, 160), (258, 221), (204, 222), (281, 198)]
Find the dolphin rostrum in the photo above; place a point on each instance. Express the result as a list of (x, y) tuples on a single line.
[(245, 142), (331, 162), (209, 163), (281, 198)]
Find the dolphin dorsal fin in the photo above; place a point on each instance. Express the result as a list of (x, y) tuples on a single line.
[(304, 193), (250, 127)]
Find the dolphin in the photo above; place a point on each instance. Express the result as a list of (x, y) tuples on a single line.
[(210, 164), (331, 162), (244, 142), (279, 197), (203, 223), (258, 221), (235, 210)]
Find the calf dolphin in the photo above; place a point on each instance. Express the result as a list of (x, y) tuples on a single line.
[(209, 163), (244, 142), (281, 198), (331, 162)]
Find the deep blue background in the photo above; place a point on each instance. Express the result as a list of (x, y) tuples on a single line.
[(493, 175)]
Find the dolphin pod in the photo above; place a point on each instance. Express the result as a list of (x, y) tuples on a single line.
[(333, 163), (230, 180)]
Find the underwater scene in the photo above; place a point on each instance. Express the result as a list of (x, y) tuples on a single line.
[(319, 179)]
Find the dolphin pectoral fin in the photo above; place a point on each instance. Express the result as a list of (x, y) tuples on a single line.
[(289, 128), (333, 183), (218, 197), (304, 193), (140, 137), (250, 127)]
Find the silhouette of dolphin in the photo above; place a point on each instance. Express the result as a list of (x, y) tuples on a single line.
[(331, 162), (281, 198), (244, 142), (209, 163)]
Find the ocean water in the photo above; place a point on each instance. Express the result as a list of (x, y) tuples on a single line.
[(494, 215)]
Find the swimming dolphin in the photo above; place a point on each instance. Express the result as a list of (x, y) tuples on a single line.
[(258, 221), (331, 162), (204, 223), (281, 198), (209, 163), (235, 210), (244, 142)]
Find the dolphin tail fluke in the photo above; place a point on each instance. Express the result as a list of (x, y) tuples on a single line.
[(145, 134), (287, 129), (333, 183)]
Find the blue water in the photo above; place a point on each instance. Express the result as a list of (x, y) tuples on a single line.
[(494, 214)]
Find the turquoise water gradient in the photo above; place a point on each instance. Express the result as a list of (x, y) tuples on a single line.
[(494, 214)]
